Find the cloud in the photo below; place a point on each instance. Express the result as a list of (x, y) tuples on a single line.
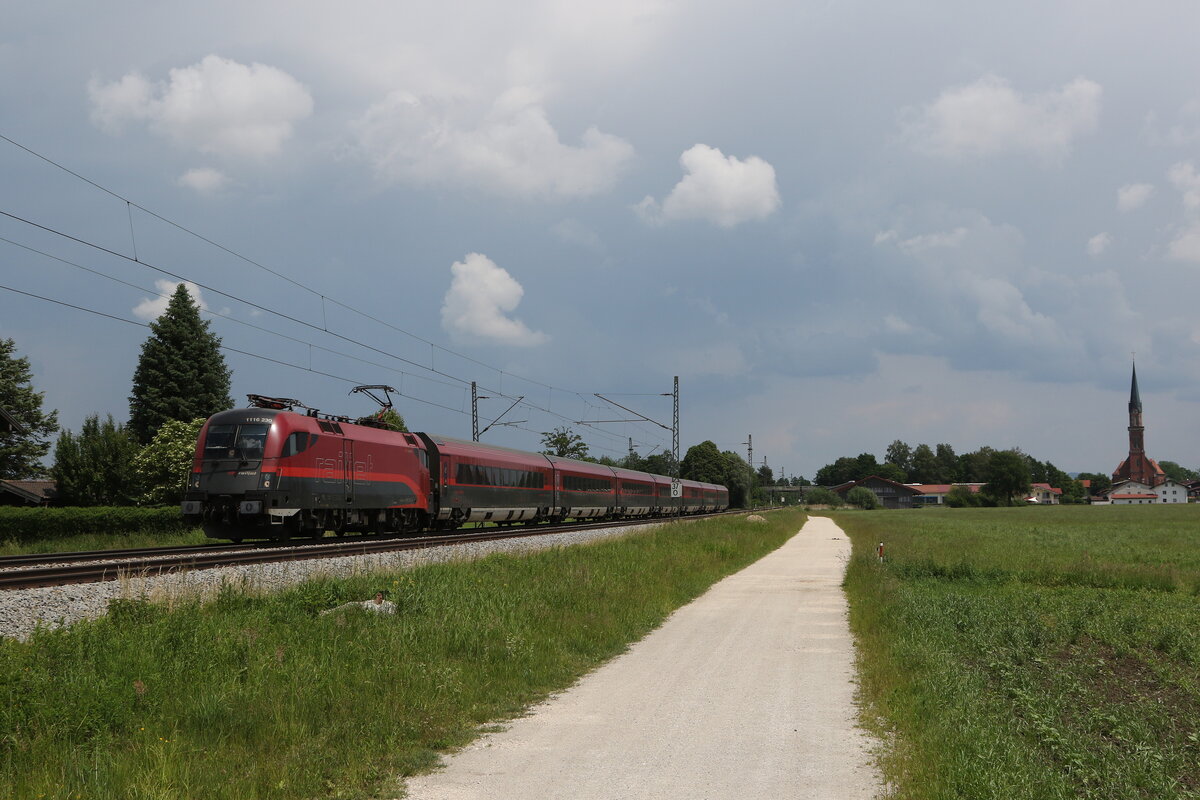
[(1098, 244), (481, 293), (204, 180), (1184, 178), (988, 117), (724, 190), (151, 308), (513, 150), (1184, 132), (933, 241), (1133, 195), (217, 106)]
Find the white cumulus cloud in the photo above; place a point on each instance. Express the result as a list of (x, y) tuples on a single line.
[(481, 296), (1133, 195), (1184, 178), (216, 106), (513, 150), (989, 117), (204, 180), (724, 190), (1098, 244), (151, 308)]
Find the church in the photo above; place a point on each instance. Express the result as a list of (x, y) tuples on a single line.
[(1139, 480)]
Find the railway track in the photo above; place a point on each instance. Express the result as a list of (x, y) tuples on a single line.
[(59, 569)]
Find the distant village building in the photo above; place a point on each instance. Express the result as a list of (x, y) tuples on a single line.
[(1132, 493), (26, 493), (890, 493), (1137, 466), (1043, 494)]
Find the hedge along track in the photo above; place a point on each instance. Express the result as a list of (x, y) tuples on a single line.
[(24, 572)]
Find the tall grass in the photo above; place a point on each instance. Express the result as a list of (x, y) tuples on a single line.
[(266, 697), (1031, 653)]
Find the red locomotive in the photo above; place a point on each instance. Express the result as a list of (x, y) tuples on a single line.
[(271, 472)]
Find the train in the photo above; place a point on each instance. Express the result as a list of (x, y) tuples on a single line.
[(271, 472)]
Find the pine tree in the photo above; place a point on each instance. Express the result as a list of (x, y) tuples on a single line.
[(95, 466), (22, 448), (181, 373)]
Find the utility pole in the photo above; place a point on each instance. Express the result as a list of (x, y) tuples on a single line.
[(474, 413), (750, 470), (475, 398), (631, 450)]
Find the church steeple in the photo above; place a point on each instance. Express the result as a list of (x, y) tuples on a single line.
[(1137, 466), (1135, 399)]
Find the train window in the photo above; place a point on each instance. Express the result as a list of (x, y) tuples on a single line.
[(219, 441), (251, 439), (298, 443)]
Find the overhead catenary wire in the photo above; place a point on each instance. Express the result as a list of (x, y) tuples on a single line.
[(258, 306), (130, 204)]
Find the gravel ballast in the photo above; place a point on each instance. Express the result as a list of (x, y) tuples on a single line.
[(23, 611)]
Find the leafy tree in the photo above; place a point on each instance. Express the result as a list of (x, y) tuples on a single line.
[(181, 373), (1100, 483), (660, 464), (1007, 476), (736, 479), (1072, 492), (800, 480), (892, 473), (162, 467), (961, 497), (863, 497), (635, 462), (820, 496), (947, 471), (703, 462), (900, 454), (925, 466), (766, 477), (565, 443), (847, 469), (387, 418), (95, 468), (973, 467), (1178, 473), (21, 451)]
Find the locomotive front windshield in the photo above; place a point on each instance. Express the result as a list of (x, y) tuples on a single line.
[(236, 441)]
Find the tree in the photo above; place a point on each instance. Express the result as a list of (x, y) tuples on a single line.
[(961, 497), (862, 497), (388, 418), (660, 464), (820, 496), (736, 479), (1101, 483), (973, 467), (565, 443), (925, 466), (23, 447), (95, 468), (181, 373), (900, 454), (766, 476), (1007, 476), (1178, 473), (892, 473), (703, 462), (162, 467), (947, 471)]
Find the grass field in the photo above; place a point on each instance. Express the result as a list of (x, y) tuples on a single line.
[(256, 697), (1038, 653)]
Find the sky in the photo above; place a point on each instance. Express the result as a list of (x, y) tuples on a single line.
[(839, 224)]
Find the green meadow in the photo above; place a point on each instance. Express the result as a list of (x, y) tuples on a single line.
[(264, 696), (1049, 652)]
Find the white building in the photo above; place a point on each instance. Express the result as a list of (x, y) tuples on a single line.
[(1129, 493), (1171, 492)]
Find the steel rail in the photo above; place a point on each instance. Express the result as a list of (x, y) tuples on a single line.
[(64, 573)]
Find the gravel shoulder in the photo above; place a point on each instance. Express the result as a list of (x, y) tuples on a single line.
[(748, 692)]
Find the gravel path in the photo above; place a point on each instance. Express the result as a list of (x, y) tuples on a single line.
[(22, 611), (745, 693)]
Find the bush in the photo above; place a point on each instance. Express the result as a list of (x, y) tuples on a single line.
[(862, 497), (24, 525), (162, 467), (821, 496)]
